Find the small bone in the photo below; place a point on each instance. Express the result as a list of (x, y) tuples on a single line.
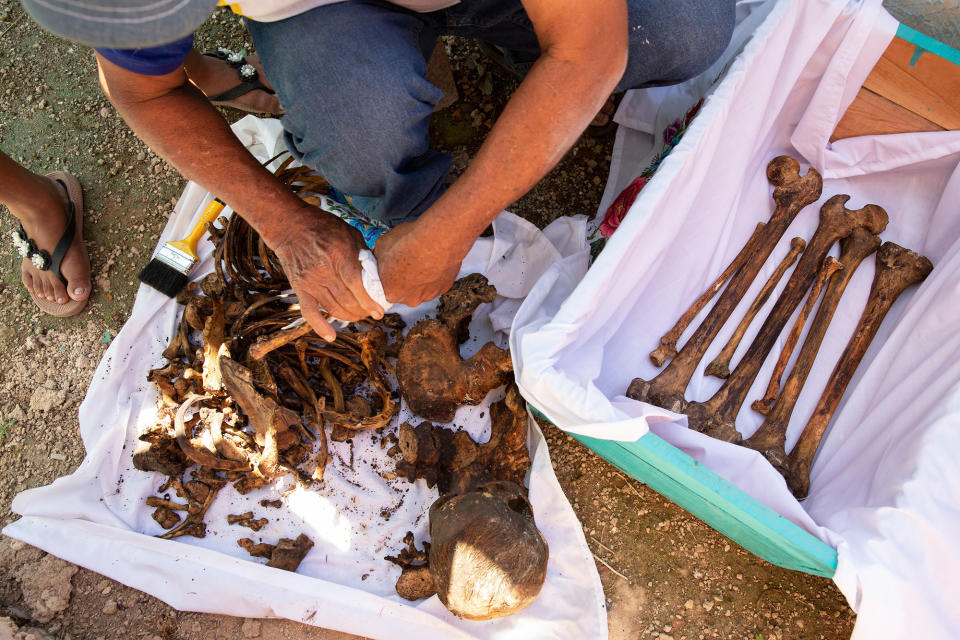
[(717, 416), (897, 269), (830, 267), (668, 343), (791, 193), (720, 367), (266, 344)]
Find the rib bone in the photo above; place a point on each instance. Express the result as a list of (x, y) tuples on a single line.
[(897, 269), (720, 367), (791, 193), (830, 267), (668, 343), (717, 416), (770, 437)]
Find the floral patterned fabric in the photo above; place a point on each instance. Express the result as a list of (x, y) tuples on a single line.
[(618, 209)]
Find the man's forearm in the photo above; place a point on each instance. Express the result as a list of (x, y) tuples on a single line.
[(543, 119), (184, 129)]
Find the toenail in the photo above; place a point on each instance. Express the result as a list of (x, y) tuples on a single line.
[(79, 291), (60, 300)]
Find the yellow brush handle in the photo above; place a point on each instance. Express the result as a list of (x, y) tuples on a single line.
[(189, 244)]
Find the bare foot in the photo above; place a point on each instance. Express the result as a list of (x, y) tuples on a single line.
[(44, 221), (213, 76)]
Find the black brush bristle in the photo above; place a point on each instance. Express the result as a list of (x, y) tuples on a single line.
[(163, 278)]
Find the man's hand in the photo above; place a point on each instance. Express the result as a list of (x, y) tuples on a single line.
[(318, 252), (414, 268)]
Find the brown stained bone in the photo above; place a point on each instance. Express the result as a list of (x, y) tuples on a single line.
[(200, 495), (415, 581), (258, 550), (247, 520), (271, 421), (897, 269), (434, 379), (716, 416), (165, 517), (791, 193), (830, 266), (487, 557), (215, 347), (720, 367), (668, 342), (193, 448), (160, 453), (290, 553), (266, 344), (180, 346), (854, 249), (455, 463), (372, 344), (154, 501)]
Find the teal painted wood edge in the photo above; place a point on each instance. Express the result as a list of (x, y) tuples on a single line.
[(928, 44), (698, 490)]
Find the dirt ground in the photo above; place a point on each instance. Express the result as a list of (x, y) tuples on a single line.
[(665, 574)]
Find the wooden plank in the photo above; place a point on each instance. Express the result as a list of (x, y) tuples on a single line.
[(930, 87), (871, 114)]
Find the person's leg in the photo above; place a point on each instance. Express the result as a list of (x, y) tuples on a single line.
[(673, 41), (352, 78), (214, 76), (41, 205)]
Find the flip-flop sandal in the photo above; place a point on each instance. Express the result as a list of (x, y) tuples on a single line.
[(249, 81), (506, 60), (45, 261)]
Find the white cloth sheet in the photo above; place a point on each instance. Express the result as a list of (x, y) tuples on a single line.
[(885, 484), (96, 517)]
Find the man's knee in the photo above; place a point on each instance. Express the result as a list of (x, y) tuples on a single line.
[(673, 42)]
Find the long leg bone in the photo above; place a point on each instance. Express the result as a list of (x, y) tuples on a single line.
[(716, 416), (830, 267), (770, 437), (791, 193), (668, 343), (897, 269), (720, 367)]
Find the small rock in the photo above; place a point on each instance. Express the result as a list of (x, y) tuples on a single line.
[(104, 112), (46, 586), (688, 605), (44, 399), (17, 413), (110, 607), (708, 605), (250, 629)]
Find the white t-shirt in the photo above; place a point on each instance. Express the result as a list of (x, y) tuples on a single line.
[(273, 10)]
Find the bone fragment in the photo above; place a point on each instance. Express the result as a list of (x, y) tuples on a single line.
[(720, 367), (215, 346), (717, 416), (791, 193), (769, 439), (897, 269), (668, 343), (266, 344), (830, 267)]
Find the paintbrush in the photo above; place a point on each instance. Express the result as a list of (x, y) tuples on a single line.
[(170, 268)]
